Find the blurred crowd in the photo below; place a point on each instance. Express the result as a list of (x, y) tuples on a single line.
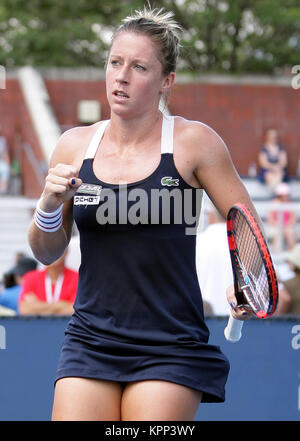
[(280, 223), (30, 290), (215, 271), (281, 220)]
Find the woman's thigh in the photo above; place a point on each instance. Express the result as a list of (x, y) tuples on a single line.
[(85, 399), (159, 400)]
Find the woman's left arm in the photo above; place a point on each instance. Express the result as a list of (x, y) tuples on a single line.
[(218, 177)]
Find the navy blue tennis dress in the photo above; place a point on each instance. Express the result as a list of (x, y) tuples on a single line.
[(138, 313)]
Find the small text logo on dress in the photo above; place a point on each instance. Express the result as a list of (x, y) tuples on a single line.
[(86, 200)]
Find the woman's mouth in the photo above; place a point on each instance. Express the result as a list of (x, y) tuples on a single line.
[(120, 94)]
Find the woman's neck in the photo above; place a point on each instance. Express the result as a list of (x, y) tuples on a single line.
[(127, 134)]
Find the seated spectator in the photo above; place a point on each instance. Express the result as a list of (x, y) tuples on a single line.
[(9, 278), (291, 287), (213, 258), (281, 223), (4, 166), (272, 159), (50, 291), (9, 297)]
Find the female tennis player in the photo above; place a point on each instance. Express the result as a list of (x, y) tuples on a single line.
[(136, 347)]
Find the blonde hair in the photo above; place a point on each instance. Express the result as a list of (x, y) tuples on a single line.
[(161, 27)]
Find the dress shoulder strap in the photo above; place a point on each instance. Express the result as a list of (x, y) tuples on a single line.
[(95, 141), (167, 134)]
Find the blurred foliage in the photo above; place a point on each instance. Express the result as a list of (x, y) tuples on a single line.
[(236, 36)]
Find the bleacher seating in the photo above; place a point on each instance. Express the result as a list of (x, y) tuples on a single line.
[(261, 197), (259, 191)]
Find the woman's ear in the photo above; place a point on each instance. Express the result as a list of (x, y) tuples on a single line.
[(167, 83)]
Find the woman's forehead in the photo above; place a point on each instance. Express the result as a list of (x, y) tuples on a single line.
[(133, 44)]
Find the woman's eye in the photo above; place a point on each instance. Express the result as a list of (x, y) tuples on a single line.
[(139, 67)]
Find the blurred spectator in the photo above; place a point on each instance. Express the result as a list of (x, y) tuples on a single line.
[(272, 159), (50, 291), (281, 223), (4, 166), (291, 287), (9, 278), (213, 263), (10, 295)]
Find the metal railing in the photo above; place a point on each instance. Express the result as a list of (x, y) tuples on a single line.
[(39, 167)]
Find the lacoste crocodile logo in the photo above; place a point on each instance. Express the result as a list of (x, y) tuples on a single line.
[(169, 181)]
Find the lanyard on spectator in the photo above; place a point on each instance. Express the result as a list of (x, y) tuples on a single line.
[(53, 297)]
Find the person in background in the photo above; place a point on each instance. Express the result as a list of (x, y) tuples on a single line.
[(9, 297), (290, 288), (213, 262), (4, 166), (50, 291), (272, 159), (282, 223)]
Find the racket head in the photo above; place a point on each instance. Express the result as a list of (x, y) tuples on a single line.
[(252, 265)]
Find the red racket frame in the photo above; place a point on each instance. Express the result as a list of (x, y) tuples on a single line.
[(265, 255)]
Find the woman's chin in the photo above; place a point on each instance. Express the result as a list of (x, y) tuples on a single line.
[(124, 113)]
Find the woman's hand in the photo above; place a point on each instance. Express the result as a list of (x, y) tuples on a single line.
[(239, 312), (61, 184)]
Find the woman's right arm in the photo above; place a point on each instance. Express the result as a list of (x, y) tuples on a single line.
[(48, 247), (61, 184)]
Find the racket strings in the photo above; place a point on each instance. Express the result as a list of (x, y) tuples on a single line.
[(252, 263)]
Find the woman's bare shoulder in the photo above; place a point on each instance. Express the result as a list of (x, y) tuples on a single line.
[(199, 138), (72, 145)]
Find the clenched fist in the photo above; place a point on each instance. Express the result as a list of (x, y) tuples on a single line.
[(61, 184), (239, 312)]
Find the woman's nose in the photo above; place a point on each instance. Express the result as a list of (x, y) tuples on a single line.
[(123, 75)]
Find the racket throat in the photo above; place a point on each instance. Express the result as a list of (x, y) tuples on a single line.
[(241, 300)]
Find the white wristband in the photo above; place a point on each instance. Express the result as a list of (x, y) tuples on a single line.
[(48, 222)]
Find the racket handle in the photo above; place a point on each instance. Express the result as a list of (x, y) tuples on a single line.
[(233, 330)]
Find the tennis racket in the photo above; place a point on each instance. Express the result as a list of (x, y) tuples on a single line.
[(255, 279)]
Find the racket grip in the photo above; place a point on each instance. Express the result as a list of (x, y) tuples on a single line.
[(233, 330)]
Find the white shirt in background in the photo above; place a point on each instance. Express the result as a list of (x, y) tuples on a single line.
[(214, 266)]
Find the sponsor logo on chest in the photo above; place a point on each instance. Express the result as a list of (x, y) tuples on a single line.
[(86, 200), (90, 189)]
